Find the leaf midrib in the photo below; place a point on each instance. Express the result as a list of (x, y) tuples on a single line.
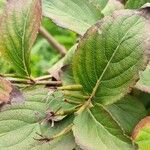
[(23, 41), (107, 65), (95, 120)]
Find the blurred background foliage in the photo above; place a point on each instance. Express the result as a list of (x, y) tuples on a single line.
[(43, 55)]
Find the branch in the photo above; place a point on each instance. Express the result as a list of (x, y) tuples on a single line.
[(25, 81), (142, 88), (10, 75), (60, 48)]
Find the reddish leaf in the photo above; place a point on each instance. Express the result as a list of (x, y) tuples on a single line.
[(142, 124), (5, 90), (19, 25)]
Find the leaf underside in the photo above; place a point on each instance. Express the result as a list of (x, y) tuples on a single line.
[(21, 123), (127, 112), (76, 15), (95, 129)]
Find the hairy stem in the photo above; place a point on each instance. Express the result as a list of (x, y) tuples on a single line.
[(72, 102), (68, 111), (69, 93)]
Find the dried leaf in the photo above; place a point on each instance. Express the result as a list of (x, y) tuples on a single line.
[(5, 90)]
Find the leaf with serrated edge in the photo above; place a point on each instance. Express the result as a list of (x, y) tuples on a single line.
[(107, 60), (127, 112), (76, 15), (5, 90), (26, 119), (141, 134), (95, 129), (18, 31)]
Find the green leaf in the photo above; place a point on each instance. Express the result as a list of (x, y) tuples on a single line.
[(95, 129), (100, 3), (127, 112), (66, 141), (18, 31), (145, 77), (5, 90), (23, 121), (141, 134), (133, 4), (107, 60), (112, 6), (68, 79), (76, 15), (57, 101), (142, 97)]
